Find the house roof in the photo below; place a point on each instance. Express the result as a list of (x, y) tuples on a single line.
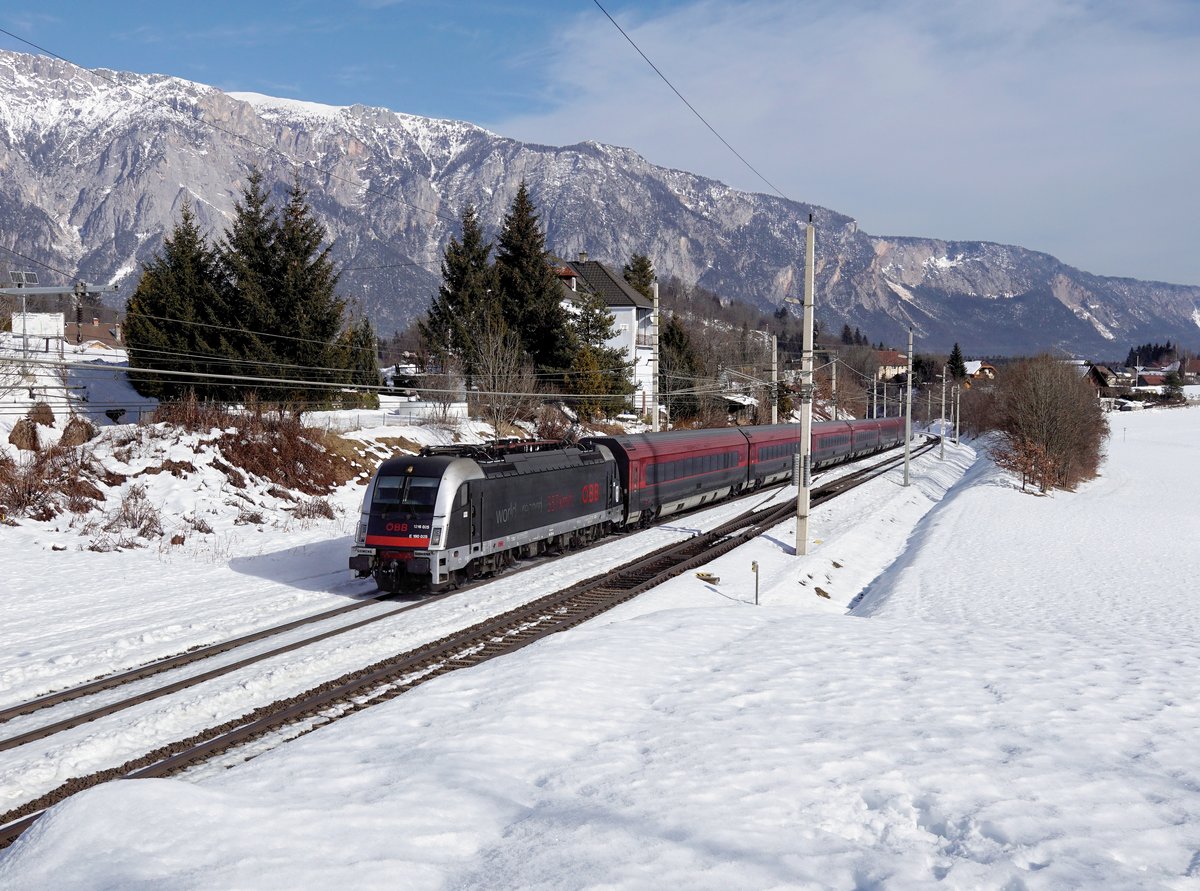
[(891, 358), (609, 285), (107, 333)]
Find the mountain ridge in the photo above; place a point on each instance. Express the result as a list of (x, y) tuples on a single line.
[(95, 166)]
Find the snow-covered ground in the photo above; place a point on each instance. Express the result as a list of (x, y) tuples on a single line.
[(996, 693)]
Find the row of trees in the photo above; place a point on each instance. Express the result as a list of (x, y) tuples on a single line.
[(261, 304), (512, 308)]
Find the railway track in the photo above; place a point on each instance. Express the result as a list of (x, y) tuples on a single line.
[(387, 678)]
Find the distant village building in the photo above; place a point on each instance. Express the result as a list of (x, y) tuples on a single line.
[(980, 371), (892, 363)]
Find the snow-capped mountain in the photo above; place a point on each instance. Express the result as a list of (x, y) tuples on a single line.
[(94, 166)]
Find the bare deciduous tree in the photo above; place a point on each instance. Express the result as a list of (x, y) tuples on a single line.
[(1051, 425), (443, 387), (504, 376)]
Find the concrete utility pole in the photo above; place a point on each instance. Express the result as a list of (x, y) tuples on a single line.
[(957, 409), (908, 412), (654, 360), (874, 401), (833, 384), (942, 417), (803, 496), (774, 379)]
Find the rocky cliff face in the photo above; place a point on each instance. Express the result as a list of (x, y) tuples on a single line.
[(94, 166)]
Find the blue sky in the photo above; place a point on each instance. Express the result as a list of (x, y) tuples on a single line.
[(1067, 126)]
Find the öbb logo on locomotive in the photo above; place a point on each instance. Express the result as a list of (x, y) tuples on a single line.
[(453, 513)]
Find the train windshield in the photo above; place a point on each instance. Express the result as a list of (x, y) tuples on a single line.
[(407, 494)]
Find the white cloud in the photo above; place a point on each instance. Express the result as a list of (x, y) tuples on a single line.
[(1045, 123)]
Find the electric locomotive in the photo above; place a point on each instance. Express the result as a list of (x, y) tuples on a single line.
[(433, 520)]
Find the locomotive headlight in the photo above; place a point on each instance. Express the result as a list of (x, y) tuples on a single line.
[(435, 537)]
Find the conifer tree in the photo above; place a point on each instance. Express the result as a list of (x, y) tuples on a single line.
[(263, 303), (956, 366), (639, 272), (467, 297), (359, 355), (681, 364), (598, 370), (530, 294), (304, 296), (179, 287), (248, 259)]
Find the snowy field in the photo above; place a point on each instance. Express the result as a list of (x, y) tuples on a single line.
[(997, 692)]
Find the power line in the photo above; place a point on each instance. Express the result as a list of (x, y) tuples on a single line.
[(692, 108), (217, 379), (29, 259)]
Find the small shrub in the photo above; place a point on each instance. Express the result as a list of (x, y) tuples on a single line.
[(313, 509), (77, 504), (78, 487), (200, 525), (249, 517), (137, 513), (553, 424), (24, 487)]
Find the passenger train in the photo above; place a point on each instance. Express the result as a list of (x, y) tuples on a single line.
[(453, 513)]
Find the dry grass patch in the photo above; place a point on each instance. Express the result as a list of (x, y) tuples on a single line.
[(24, 435), (41, 413), (398, 443), (78, 431), (269, 444)]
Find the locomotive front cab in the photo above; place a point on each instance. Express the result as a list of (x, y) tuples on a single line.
[(402, 529)]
